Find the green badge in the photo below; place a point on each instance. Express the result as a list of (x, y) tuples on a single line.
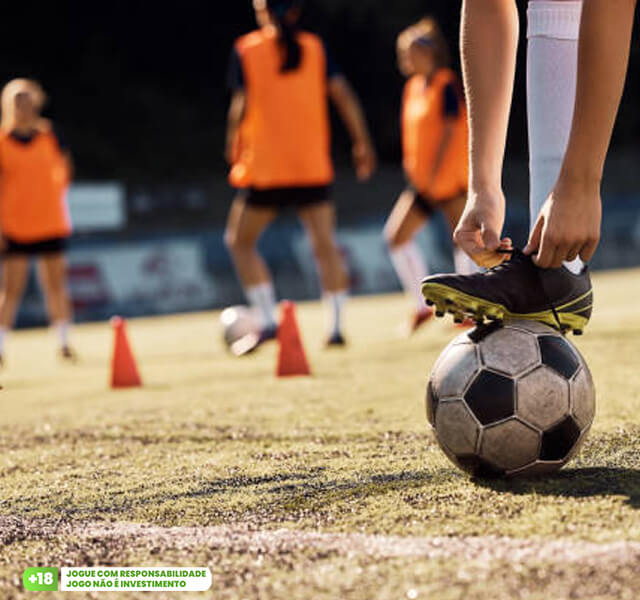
[(40, 579)]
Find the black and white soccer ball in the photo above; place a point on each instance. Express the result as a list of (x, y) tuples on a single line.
[(512, 399)]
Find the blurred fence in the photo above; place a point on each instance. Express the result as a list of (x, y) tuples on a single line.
[(159, 249)]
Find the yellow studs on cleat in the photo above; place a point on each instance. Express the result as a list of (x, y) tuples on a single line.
[(461, 306)]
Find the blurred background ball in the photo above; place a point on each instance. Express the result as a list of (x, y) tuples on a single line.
[(510, 400), (240, 328)]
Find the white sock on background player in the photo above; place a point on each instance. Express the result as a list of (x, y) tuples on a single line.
[(334, 303), (411, 270), (552, 65), (63, 328), (262, 299), (3, 337), (463, 262)]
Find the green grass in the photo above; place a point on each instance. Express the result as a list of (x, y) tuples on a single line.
[(213, 440)]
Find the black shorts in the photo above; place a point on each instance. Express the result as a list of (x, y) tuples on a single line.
[(49, 246), (427, 206), (287, 197), (422, 202)]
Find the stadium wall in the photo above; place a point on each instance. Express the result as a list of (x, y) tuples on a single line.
[(158, 250)]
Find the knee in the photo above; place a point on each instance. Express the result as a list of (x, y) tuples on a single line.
[(58, 287), (393, 238), (229, 239), (390, 234), (12, 286), (236, 243), (324, 249), (11, 293)]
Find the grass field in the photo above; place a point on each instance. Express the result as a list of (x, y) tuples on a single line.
[(326, 487)]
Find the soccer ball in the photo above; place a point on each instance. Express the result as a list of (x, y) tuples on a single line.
[(240, 328), (512, 399)]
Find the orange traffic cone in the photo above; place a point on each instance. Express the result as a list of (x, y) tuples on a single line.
[(292, 359), (124, 371)]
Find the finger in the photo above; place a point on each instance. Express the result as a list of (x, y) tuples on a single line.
[(490, 238), (559, 257), (546, 251), (588, 250), (471, 248), (490, 259), (471, 242), (535, 237), (573, 252), (468, 242), (506, 248)]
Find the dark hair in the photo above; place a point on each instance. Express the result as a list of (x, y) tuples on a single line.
[(288, 30)]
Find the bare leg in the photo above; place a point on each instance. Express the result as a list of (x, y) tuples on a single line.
[(404, 222), (319, 221), (52, 272), (245, 225), (15, 270)]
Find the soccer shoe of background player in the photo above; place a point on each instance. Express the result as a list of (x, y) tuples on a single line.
[(515, 289), (335, 340), (465, 323), (419, 318), (252, 341), (68, 354)]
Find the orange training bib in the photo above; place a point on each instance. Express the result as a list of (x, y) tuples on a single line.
[(423, 126), (33, 182), (284, 138)]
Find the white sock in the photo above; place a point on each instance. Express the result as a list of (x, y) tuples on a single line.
[(334, 302), (63, 327), (3, 335), (411, 270), (552, 65), (463, 262), (262, 299)]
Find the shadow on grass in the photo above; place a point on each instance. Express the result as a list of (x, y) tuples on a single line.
[(310, 487), (576, 483), (277, 494)]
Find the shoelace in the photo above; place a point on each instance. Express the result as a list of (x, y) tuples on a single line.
[(517, 256)]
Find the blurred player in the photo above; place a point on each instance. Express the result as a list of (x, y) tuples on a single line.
[(435, 151), (35, 170), (574, 91), (278, 143)]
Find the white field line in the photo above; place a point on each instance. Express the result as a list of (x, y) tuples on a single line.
[(483, 549)]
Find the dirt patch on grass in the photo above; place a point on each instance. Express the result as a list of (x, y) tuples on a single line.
[(242, 540)]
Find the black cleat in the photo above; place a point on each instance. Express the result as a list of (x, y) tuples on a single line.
[(516, 289), (252, 341), (335, 341), (68, 354)]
